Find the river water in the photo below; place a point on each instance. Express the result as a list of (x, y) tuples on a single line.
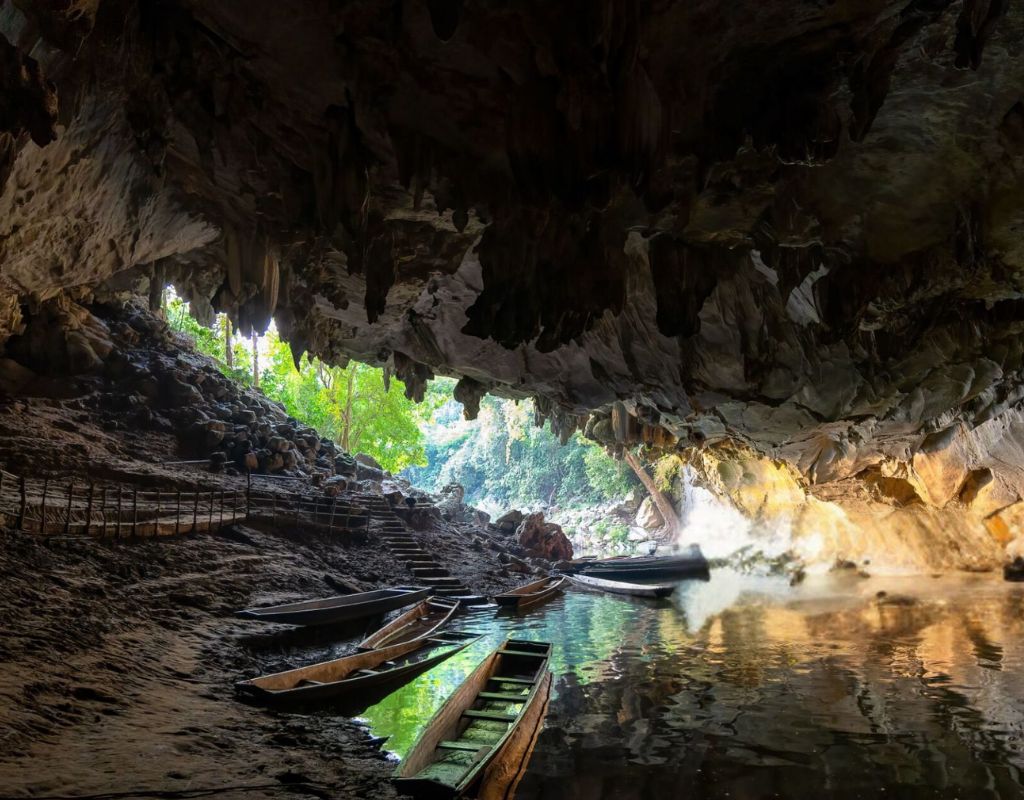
[(745, 687)]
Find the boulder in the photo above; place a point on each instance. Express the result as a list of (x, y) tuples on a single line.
[(365, 472), (543, 539), (392, 493), (508, 522), (333, 486), (344, 464), (648, 517), (369, 461)]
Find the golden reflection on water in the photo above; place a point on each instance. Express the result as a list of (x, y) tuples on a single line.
[(743, 687)]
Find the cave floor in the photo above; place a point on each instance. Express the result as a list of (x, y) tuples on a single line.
[(119, 661)]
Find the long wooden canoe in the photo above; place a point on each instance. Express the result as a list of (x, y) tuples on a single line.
[(531, 594), (690, 562), (359, 671), (416, 623), (339, 609), (478, 722), (621, 587)]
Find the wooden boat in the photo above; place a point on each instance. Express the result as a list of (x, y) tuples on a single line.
[(688, 563), (531, 594), (478, 725), (339, 609), (416, 623), (360, 671), (621, 587)]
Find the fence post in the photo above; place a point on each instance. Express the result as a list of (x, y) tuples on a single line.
[(156, 519), (117, 525), (177, 513), (67, 520), (21, 508), (273, 511), (42, 506), (135, 511), (334, 506), (210, 524), (195, 511), (221, 508), (88, 510), (248, 491), (103, 511)]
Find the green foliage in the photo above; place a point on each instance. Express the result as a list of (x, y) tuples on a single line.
[(350, 405), (504, 458), (614, 533), (666, 471)]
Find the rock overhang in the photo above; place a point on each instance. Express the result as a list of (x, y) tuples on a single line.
[(791, 226)]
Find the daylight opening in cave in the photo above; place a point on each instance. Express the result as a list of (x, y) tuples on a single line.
[(459, 399)]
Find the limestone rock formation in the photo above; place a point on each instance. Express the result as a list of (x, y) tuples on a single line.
[(543, 539), (792, 227)]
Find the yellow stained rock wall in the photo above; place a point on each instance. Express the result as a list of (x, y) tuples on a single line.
[(851, 523)]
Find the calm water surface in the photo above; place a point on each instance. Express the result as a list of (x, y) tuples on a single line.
[(743, 687)]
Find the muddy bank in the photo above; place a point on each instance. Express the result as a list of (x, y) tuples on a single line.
[(119, 661)]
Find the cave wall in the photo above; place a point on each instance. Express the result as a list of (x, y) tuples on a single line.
[(785, 226)]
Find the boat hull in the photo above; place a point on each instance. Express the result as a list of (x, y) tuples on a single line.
[(446, 732), (621, 587), (346, 607), (416, 623), (691, 565), (349, 685), (523, 597)]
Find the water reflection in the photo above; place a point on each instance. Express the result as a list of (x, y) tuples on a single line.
[(747, 688)]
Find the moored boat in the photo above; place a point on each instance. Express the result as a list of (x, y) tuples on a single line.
[(688, 563), (360, 671), (622, 587), (416, 623), (531, 594), (338, 609), (474, 734)]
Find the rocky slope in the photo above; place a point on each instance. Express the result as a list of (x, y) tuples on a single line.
[(789, 226)]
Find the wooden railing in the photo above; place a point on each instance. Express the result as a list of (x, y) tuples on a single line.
[(72, 507)]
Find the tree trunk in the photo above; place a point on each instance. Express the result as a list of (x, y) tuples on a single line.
[(255, 361), (346, 430), (665, 507), (229, 357)]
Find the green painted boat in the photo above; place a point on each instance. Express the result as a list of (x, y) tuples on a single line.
[(474, 734)]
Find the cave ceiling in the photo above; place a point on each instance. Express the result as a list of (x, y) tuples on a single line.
[(796, 225)]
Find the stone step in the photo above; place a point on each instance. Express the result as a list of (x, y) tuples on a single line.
[(445, 582), (459, 593), (429, 572)]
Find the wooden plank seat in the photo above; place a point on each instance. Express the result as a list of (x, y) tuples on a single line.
[(491, 715)]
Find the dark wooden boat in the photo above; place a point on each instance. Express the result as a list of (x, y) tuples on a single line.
[(416, 623), (339, 609), (531, 594), (357, 672), (621, 587), (689, 563), (476, 733)]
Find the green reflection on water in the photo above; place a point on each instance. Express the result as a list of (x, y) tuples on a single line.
[(586, 629)]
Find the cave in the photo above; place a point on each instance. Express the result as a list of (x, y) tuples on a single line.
[(763, 257)]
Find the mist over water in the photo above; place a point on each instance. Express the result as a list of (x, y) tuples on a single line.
[(719, 528)]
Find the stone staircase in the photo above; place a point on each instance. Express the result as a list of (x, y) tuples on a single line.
[(403, 545)]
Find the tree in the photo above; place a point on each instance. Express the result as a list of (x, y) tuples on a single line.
[(665, 506), (347, 404)]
